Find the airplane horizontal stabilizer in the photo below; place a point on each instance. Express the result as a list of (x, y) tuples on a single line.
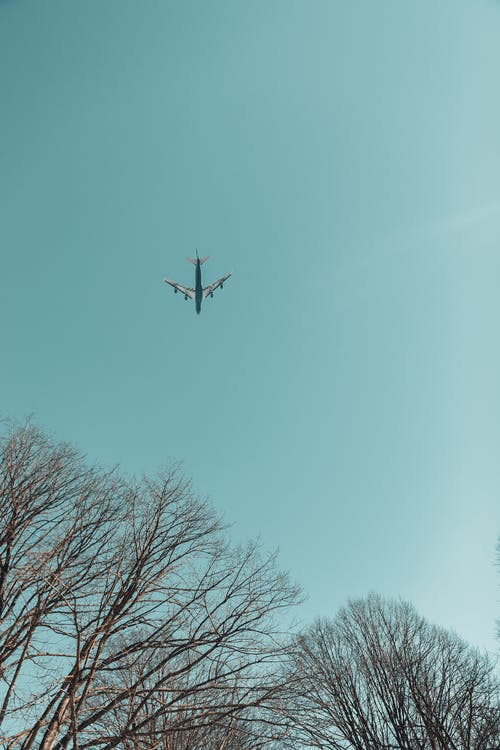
[(195, 260)]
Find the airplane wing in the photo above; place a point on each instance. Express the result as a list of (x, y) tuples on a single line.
[(210, 289), (185, 290)]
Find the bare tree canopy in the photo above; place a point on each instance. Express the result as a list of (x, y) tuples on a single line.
[(126, 619), (379, 677)]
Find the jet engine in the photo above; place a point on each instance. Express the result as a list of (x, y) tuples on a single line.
[(185, 296), (175, 289)]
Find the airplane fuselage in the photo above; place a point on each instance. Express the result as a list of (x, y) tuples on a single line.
[(198, 289)]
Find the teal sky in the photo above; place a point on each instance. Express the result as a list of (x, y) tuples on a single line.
[(340, 396)]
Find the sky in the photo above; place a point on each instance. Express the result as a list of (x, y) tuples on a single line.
[(339, 397)]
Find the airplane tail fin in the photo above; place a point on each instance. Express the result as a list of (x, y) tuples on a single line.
[(195, 260)]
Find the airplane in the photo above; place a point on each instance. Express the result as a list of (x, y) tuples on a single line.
[(199, 293)]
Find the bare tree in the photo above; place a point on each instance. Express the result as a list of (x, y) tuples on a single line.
[(124, 613), (217, 716), (379, 677)]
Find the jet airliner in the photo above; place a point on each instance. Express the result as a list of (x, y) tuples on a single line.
[(199, 292)]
